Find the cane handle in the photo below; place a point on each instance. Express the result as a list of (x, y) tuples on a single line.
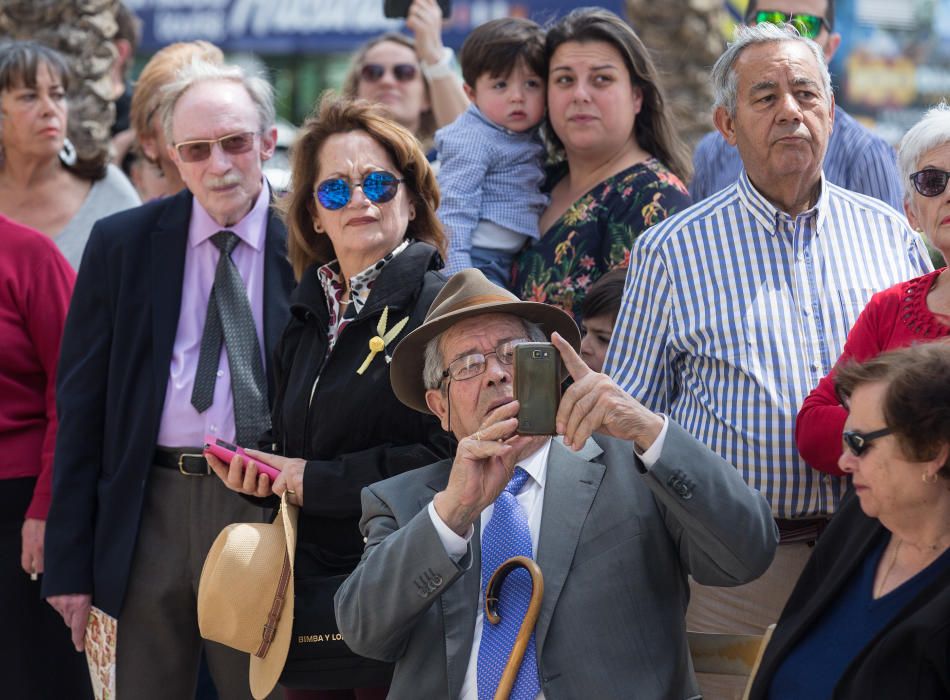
[(492, 590)]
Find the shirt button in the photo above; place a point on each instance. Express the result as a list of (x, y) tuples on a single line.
[(220, 372), (213, 428)]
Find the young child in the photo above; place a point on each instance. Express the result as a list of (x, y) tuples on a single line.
[(599, 310), (491, 157)]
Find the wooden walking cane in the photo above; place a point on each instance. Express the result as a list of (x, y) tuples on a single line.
[(510, 674)]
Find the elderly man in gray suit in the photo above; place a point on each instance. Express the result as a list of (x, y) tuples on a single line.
[(616, 521)]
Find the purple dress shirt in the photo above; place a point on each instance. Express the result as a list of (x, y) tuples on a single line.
[(182, 425)]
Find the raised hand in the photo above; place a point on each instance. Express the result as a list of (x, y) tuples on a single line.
[(425, 21), (484, 463), (595, 404)]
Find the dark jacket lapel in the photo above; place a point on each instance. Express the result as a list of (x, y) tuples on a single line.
[(278, 283), (166, 269)]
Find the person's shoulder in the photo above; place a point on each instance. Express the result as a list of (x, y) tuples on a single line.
[(709, 146), (690, 221), (28, 246), (432, 477), (131, 226), (854, 136), (858, 202)]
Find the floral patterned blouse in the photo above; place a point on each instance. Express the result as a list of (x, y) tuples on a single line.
[(596, 233)]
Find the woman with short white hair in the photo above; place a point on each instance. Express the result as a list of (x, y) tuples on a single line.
[(910, 312)]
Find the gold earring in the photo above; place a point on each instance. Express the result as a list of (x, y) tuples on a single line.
[(929, 478)]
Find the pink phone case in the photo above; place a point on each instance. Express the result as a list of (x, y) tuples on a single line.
[(225, 451)]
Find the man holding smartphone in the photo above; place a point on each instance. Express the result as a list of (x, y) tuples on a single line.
[(615, 521)]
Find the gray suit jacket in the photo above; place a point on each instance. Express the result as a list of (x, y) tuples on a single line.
[(615, 548)]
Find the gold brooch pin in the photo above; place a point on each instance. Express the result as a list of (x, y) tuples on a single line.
[(379, 342)]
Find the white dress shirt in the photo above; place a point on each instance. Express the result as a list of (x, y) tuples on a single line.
[(531, 499)]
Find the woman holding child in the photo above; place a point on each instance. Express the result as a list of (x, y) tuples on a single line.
[(623, 166)]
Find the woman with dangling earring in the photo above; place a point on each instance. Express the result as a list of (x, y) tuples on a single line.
[(44, 184)]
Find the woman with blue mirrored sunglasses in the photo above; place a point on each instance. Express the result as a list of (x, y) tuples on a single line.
[(379, 187)]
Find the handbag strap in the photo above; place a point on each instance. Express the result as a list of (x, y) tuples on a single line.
[(270, 626)]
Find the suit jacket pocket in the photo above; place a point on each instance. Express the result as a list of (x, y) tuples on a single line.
[(604, 538)]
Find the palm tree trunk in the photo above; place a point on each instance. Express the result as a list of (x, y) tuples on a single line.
[(685, 39)]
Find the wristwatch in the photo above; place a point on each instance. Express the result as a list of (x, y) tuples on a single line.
[(442, 68)]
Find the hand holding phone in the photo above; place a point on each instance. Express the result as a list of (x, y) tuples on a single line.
[(537, 387), (400, 8), (225, 451)]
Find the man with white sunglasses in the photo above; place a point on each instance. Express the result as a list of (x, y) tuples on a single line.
[(172, 322)]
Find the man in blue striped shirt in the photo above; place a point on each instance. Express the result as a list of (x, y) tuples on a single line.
[(856, 160), (736, 307)]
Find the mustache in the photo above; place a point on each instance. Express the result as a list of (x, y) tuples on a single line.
[(223, 181)]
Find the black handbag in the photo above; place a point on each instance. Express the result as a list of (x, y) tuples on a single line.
[(319, 658)]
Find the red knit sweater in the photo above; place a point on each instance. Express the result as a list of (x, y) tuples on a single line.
[(894, 318), (35, 286)]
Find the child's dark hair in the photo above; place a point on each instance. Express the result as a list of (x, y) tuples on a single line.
[(604, 295), (496, 47)]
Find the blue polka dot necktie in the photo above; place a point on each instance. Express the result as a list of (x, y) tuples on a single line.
[(230, 321), (507, 535)]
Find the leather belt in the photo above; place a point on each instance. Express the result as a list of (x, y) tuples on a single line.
[(190, 461), (800, 529)]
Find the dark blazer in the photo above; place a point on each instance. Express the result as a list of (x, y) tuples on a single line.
[(353, 431), (111, 383), (615, 549), (910, 657)]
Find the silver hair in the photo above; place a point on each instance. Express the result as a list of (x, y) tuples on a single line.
[(931, 131), (432, 370), (198, 71), (726, 82)]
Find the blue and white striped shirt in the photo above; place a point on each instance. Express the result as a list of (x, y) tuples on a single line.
[(489, 173), (734, 310), (856, 160)]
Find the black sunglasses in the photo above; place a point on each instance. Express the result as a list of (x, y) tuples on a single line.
[(859, 442), (808, 26), (930, 182), (402, 72), (379, 186)]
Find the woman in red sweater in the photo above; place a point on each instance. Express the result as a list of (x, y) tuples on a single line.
[(35, 285), (915, 311)]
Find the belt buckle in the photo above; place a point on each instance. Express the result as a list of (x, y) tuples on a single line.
[(181, 464)]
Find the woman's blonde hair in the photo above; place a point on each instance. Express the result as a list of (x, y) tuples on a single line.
[(161, 70), (339, 115)]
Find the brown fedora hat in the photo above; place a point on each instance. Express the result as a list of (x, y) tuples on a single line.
[(246, 594), (467, 293)]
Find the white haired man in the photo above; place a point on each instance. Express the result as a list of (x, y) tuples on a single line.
[(737, 306)]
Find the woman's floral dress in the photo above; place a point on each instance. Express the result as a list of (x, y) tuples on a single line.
[(596, 233)]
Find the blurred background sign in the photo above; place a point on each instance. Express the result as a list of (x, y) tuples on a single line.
[(288, 26)]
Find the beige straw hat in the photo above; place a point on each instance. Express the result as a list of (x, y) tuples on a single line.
[(467, 293), (246, 594)]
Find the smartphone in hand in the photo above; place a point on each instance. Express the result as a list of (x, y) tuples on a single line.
[(537, 387), (400, 8), (225, 451)]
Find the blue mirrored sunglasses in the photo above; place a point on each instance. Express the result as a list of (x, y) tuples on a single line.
[(379, 186)]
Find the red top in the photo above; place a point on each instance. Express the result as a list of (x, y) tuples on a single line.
[(894, 318), (35, 286)]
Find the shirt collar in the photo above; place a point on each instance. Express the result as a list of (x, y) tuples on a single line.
[(361, 283), (526, 134), (536, 463), (767, 214), (251, 229)]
